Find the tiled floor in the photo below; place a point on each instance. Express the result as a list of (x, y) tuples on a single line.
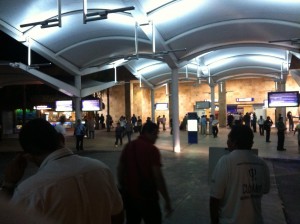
[(186, 173)]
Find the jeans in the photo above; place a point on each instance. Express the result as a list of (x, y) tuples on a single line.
[(79, 142)]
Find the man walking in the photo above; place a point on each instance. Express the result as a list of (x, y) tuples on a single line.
[(140, 178)]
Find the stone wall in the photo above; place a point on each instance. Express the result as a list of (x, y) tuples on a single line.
[(191, 92)]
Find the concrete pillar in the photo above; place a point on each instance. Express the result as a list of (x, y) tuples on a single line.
[(152, 106), (212, 106), (78, 99), (222, 104), (127, 93), (212, 99), (280, 87), (175, 111), (170, 104)]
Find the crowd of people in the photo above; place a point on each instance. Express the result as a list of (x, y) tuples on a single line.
[(69, 188), (265, 125), (86, 129), (209, 125)]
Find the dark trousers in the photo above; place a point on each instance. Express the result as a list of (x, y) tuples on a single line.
[(254, 127), (119, 137), (148, 211), (79, 142), (129, 133), (280, 142), (268, 135), (215, 131), (91, 134), (291, 126), (139, 128), (261, 129)]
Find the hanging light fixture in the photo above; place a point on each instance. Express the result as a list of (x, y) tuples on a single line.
[(49, 22)]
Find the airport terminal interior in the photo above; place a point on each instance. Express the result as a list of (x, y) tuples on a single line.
[(171, 58)]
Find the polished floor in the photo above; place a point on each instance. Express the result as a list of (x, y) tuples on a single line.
[(187, 172)]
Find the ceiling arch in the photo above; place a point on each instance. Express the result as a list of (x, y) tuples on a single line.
[(216, 39)]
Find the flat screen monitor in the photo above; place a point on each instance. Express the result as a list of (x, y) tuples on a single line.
[(90, 105), (202, 105), (63, 105), (232, 108), (192, 125), (161, 106), (283, 99)]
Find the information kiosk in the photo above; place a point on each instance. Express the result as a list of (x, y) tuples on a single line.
[(192, 127)]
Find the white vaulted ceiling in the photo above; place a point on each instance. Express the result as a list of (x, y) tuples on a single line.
[(202, 38)]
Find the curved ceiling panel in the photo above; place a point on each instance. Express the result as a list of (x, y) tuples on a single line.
[(209, 38)]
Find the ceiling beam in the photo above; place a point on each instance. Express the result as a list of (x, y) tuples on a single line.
[(57, 84), (99, 87)]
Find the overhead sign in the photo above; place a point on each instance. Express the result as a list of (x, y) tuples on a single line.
[(248, 99), (202, 105), (42, 107)]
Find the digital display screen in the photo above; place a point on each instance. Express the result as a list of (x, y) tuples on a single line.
[(202, 105), (161, 106), (90, 105), (283, 99), (192, 125), (64, 105)]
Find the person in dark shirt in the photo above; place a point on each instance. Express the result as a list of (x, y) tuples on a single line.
[(247, 119), (141, 179), (280, 133), (119, 134), (230, 120), (267, 126)]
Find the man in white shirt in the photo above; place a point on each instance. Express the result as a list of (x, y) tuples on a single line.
[(67, 188), (59, 127), (238, 182), (261, 122)]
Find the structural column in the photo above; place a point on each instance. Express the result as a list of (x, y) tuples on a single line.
[(222, 104), (280, 87), (212, 99), (212, 106), (78, 99), (175, 111), (127, 93), (170, 105), (152, 106)]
